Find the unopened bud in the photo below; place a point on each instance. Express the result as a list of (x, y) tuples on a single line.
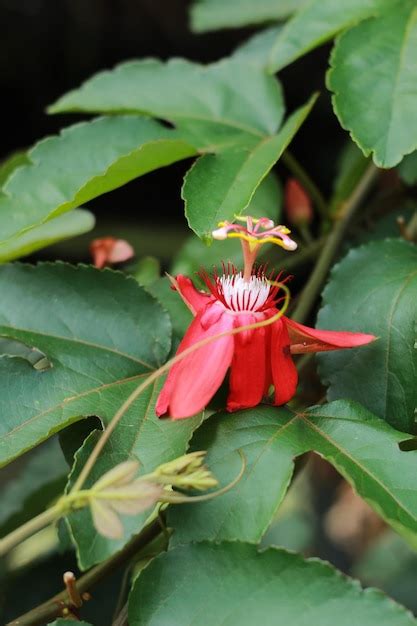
[(109, 250), (186, 472), (297, 203)]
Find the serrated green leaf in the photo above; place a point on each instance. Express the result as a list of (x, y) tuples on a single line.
[(234, 583), (265, 436), (228, 94), (373, 289), (315, 23), (103, 334), (213, 14), (362, 447), (60, 228), (218, 187), (83, 162), (407, 169), (9, 165), (194, 254), (376, 62)]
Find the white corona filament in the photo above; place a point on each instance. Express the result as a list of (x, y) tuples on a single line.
[(241, 295)]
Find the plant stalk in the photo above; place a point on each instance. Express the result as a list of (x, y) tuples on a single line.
[(30, 528), (317, 278), (54, 607)]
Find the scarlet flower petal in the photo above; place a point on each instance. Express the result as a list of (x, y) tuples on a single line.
[(284, 372), (305, 339), (247, 377), (193, 381), (194, 299)]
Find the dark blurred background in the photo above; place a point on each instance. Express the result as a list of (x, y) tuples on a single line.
[(51, 46)]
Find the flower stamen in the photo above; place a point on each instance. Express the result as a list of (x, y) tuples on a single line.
[(256, 233)]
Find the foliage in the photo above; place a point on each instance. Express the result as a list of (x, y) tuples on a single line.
[(85, 352)]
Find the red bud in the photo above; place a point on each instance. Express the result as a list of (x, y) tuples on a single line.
[(297, 203), (108, 250)]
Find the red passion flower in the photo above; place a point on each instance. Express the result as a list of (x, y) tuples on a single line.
[(258, 358)]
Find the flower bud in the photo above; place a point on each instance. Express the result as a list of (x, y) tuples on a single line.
[(109, 250), (297, 204), (186, 472)]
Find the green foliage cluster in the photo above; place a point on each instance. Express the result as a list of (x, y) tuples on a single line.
[(76, 341)]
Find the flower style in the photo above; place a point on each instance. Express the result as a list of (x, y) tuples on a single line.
[(258, 358)]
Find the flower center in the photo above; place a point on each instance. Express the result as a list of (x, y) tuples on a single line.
[(243, 295)]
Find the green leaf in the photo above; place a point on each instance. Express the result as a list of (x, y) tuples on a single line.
[(315, 23), (60, 228), (147, 271), (218, 187), (257, 48), (376, 62), (142, 436), (373, 289), (233, 583), (83, 162), (181, 316), (9, 165), (225, 97), (407, 169), (16, 349), (37, 484), (213, 14), (103, 334), (361, 446), (266, 439), (194, 254)]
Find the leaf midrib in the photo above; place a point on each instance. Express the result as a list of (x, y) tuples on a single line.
[(310, 424), (83, 342), (70, 399), (265, 447)]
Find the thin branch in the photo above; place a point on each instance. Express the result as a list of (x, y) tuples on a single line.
[(30, 528), (54, 607), (317, 278)]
